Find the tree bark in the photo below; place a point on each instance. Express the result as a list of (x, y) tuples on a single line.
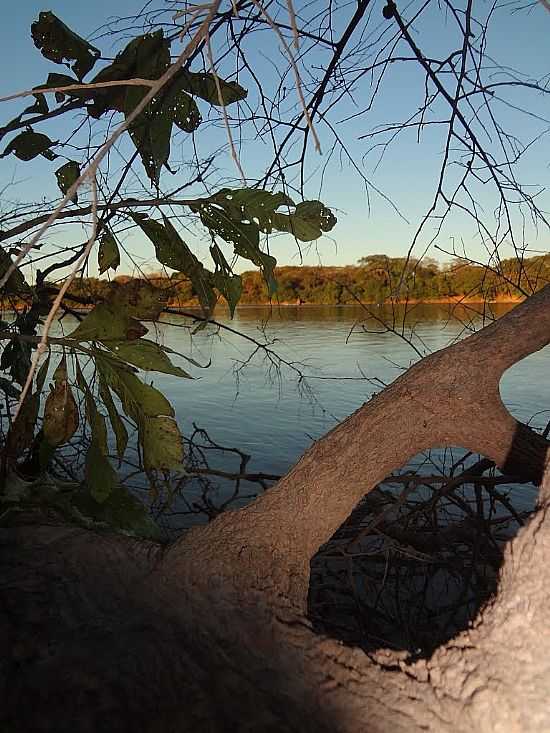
[(102, 632)]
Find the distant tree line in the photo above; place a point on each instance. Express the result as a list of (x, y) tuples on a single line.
[(376, 278)]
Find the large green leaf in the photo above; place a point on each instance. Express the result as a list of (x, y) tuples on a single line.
[(66, 176), (162, 443), (146, 355), (152, 130), (58, 43), (172, 252), (139, 400), (108, 254), (60, 411), (28, 144), (146, 56), (203, 85), (106, 322)]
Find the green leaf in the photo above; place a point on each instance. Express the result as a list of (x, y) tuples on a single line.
[(119, 429), (66, 176), (40, 107), (42, 374), (245, 237), (22, 429), (62, 80), (138, 400), (184, 111), (139, 299), (16, 357), (58, 43), (8, 389), (146, 56), (15, 282), (119, 509), (146, 355), (100, 475), (308, 222), (172, 252), (152, 130), (229, 285), (28, 144), (162, 443), (151, 134), (106, 322), (60, 411), (203, 85), (108, 254)]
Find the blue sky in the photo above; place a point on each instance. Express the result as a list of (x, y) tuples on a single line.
[(406, 173)]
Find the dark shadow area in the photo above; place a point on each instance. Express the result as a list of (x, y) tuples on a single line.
[(420, 554)]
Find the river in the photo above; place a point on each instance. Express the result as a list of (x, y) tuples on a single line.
[(245, 400)]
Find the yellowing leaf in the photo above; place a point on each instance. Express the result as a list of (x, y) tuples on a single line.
[(60, 411), (162, 443)]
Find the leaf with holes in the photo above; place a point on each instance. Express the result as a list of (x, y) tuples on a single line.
[(183, 111), (27, 145), (58, 43), (245, 237), (66, 176), (108, 255), (204, 85), (308, 222), (146, 56), (146, 355), (60, 410)]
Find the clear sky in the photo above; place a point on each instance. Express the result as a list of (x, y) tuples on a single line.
[(406, 173)]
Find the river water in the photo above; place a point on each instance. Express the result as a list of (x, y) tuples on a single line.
[(340, 357), (243, 399)]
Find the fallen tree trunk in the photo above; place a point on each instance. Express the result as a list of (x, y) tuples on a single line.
[(102, 632)]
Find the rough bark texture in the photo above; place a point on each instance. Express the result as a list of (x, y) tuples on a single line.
[(210, 634)]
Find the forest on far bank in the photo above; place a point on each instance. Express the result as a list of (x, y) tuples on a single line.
[(374, 279)]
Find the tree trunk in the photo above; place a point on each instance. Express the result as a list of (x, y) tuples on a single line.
[(102, 632)]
